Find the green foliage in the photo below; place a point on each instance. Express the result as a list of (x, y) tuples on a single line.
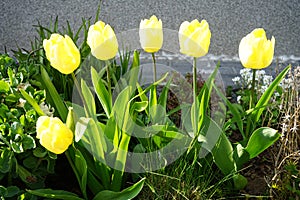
[(22, 158), (128, 193), (254, 142)]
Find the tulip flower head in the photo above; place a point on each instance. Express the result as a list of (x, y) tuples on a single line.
[(62, 53), (102, 41), (151, 34), (194, 38), (54, 135), (255, 50)]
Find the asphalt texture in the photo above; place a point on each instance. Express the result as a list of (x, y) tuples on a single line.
[(229, 20)]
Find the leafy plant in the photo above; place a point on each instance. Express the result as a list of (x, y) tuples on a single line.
[(22, 159), (231, 157)]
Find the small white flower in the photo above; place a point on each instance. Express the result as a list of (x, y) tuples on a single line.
[(21, 102), (284, 127), (236, 80), (48, 110), (294, 129), (238, 99)]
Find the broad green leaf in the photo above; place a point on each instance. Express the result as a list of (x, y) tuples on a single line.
[(163, 97), (223, 153), (139, 106), (81, 167), (120, 162), (54, 194), (260, 140), (4, 87), (240, 155), (101, 91), (111, 131), (8, 192), (239, 181), (136, 59), (237, 117), (94, 140), (264, 99), (53, 94), (120, 108), (24, 174), (93, 183), (89, 99), (6, 160), (204, 97), (32, 102), (126, 194)]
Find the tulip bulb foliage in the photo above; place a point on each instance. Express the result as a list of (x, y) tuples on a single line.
[(102, 41), (255, 50), (194, 38), (151, 34)]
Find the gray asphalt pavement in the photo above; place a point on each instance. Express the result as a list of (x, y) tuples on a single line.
[(229, 20)]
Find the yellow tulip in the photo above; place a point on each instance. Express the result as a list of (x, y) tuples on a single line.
[(151, 34), (255, 50), (194, 38), (102, 41), (62, 53), (54, 135)]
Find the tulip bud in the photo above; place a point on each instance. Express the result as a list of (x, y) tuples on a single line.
[(102, 41), (62, 53), (54, 135), (194, 38), (255, 50), (151, 34)]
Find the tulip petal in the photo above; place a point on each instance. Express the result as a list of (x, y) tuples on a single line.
[(255, 50), (102, 41), (151, 34), (194, 38)]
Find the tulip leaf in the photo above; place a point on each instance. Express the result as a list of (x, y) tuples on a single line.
[(101, 92), (139, 106), (260, 140), (236, 114), (223, 153), (163, 97), (136, 59), (54, 194), (81, 167), (53, 94), (264, 99), (89, 99), (239, 181), (120, 107), (32, 102), (128, 193), (204, 98)]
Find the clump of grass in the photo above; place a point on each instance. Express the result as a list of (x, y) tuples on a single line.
[(285, 183), (189, 177)]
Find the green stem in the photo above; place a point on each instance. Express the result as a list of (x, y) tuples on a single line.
[(154, 68), (251, 104), (249, 127), (108, 77), (195, 96), (153, 92)]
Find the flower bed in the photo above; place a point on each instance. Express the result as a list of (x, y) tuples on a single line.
[(83, 111)]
